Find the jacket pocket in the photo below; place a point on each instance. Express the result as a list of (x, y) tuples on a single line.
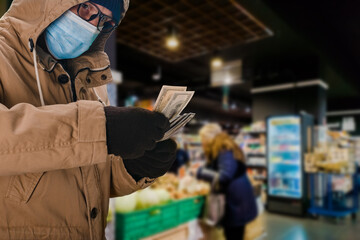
[(49, 233), (21, 187)]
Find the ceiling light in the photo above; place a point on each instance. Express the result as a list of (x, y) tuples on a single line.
[(216, 62), (172, 42)]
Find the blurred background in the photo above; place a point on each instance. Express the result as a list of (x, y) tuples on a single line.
[(281, 78)]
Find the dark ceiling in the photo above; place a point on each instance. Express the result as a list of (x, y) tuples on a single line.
[(304, 31), (201, 26), (333, 27)]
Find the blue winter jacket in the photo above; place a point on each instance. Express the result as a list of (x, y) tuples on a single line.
[(240, 205)]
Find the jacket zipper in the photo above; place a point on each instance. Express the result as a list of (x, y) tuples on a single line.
[(73, 91)]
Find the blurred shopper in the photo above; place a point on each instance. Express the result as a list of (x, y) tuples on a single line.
[(225, 165), (63, 151), (182, 158)]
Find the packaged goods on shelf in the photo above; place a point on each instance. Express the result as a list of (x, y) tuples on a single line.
[(193, 146), (357, 151), (252, 140), (342, 184), (334, 156), (256, 183), (254, 145), (255, 127)]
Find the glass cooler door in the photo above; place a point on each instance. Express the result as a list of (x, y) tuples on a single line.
[(284, 157)]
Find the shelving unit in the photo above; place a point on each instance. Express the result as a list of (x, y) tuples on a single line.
[(332, 208), (333, 166), (253, 142), (254, 147), (193, 147), (256, 160)]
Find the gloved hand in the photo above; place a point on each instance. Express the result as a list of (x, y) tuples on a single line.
[(131, 131), (154, 163)]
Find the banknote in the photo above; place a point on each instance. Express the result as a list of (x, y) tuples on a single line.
[(165, 94), (182, 123), (179, 120), (185, 119), (175, 129), (171, 101), (176, 120), (177, 103)]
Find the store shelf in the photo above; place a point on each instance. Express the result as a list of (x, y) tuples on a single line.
[(255, 166), (256, 155), (254, 132)]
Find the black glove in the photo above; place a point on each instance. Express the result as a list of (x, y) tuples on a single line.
[(154, 163), (131, 131)]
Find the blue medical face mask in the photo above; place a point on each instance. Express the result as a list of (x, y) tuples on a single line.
[(69, 36)]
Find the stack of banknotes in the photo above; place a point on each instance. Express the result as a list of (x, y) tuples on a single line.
[(171, 102)]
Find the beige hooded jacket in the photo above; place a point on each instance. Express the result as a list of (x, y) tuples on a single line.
[(55, 174)]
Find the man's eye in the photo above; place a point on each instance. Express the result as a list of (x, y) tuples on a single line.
[(85, 6), (104, 19)]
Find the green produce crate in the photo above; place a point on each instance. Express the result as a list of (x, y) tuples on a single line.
[(143, 223), (147, 222), (190, 208)]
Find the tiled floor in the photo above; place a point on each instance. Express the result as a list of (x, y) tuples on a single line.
[(281, 227)]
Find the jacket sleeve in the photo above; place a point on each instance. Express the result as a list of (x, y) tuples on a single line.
[(206, 174), (122, 183), (39, 139), (226, 169)]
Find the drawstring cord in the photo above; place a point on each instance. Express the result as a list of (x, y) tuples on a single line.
[(99, 99), (33, 50)]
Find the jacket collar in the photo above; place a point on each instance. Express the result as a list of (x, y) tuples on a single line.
[(93, 73)]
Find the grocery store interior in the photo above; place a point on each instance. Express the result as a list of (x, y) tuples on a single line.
[(281, 78)]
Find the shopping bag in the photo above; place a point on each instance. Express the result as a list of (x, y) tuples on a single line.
[(214, 205)]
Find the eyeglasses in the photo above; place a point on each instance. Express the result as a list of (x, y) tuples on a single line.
[(88, 11)]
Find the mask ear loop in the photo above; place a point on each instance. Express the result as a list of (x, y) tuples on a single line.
[(33, 50)]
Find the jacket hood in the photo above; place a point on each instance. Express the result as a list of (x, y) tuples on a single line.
[(29, 18)]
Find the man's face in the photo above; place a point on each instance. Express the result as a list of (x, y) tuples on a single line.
[(69, 36), (95, 21)]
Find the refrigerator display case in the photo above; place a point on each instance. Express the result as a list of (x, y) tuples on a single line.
[(287, 139)]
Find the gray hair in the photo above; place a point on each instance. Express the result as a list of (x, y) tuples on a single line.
[(210, 130)]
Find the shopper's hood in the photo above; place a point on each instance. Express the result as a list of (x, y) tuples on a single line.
[(29, 18)]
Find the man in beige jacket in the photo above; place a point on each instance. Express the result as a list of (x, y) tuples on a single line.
[(63, 152)]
